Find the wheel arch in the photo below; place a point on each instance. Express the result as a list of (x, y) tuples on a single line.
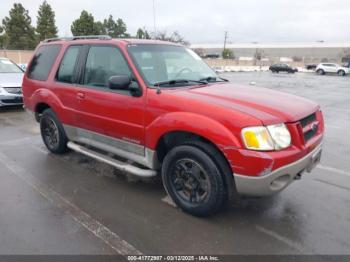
[(179, 128), (43, 99)]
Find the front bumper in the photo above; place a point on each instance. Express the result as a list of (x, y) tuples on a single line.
[(278, 179), (11, 99)]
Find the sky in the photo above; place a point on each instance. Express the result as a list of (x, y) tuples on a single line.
[(205, 21)]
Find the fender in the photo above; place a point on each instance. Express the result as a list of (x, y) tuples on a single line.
[(194, 123), (46, 96)]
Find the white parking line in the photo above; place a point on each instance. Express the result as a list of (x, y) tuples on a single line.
[(283, 239), (334, 170), (98, 229), (334, 127)]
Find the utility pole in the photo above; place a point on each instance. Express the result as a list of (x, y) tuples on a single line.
[(226, 37), (154, 18)]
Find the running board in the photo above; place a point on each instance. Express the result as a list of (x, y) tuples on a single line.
[(122, 166)]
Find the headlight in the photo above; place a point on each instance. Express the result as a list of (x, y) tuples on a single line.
[(280, 135), (257, 138), (261, 138)]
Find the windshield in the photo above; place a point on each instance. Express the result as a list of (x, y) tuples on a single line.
[(162, 63), (7, 66)]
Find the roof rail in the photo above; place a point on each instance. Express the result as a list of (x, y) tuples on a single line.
[(99, 37)]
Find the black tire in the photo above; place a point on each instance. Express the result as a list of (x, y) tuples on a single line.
[(206, 185), (52, 133), (341, 73), (320, 72)]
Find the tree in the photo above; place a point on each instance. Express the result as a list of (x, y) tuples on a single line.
[(174, 37), (115, 29), (85, 25), (142, 34), (99, 29), (46, 27), (18, 29), (3, 39), (227, 54)]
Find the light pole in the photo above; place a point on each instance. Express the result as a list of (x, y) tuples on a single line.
[(154, 18)]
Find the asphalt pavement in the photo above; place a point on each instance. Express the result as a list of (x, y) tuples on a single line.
[(72, 204)]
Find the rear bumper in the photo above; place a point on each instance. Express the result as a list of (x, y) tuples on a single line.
[(278, 179)]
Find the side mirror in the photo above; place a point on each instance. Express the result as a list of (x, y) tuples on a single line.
[(121, 82)]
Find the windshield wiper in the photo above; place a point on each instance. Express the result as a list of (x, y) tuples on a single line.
[(179, 81), (213, 79)]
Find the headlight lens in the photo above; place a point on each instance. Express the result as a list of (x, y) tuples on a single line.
[(280, 135), (257, 138), (261, 138)]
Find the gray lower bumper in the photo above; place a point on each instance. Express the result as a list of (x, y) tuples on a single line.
[(279, 178)]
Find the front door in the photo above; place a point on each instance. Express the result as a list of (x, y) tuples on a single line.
[(109, 119)]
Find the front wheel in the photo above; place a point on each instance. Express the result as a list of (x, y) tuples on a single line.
[(52, 133), (193, 180), (320, 72), (341, 73)]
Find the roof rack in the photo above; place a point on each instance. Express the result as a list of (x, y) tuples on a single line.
[(98, 37)]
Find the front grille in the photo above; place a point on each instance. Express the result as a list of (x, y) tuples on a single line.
[(310, 126), (14, 90)]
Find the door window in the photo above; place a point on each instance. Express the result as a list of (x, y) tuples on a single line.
[(102, 63)]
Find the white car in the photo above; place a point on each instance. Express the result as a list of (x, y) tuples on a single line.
[(330, 68), (11, 76)]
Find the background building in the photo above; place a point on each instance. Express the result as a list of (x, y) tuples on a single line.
[(281, 52)]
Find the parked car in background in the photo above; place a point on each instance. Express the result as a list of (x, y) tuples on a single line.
[(311, 67), (122, 102), (347, 65), (282, 68), (11, 76), (330, 68), (23, 66), (219, 69)]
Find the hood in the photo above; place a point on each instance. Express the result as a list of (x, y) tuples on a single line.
[(11, 79), (267, 105)]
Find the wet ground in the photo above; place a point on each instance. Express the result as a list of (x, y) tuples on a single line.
[(73, 205)]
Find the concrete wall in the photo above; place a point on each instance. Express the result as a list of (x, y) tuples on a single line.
[(18, 56)]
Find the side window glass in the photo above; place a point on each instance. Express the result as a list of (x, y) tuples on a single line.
[(42, 62), (66, 71), (102, 63)]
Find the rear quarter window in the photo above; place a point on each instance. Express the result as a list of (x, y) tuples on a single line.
[(42, 62)]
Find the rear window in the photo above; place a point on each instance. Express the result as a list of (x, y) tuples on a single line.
[(66, 71), (42, 62)]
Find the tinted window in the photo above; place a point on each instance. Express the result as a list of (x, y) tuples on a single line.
[(102, 63), (42, 62), (66, 71)]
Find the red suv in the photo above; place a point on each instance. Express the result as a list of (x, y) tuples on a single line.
[(150, 107)]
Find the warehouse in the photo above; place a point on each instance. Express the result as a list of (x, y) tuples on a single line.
[(298, 52)]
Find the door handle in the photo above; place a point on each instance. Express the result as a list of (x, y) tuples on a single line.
[(80, 96)]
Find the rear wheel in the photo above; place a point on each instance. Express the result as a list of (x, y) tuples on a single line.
[(320, 72), (193, 180), (52, 132), (341, 72)]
